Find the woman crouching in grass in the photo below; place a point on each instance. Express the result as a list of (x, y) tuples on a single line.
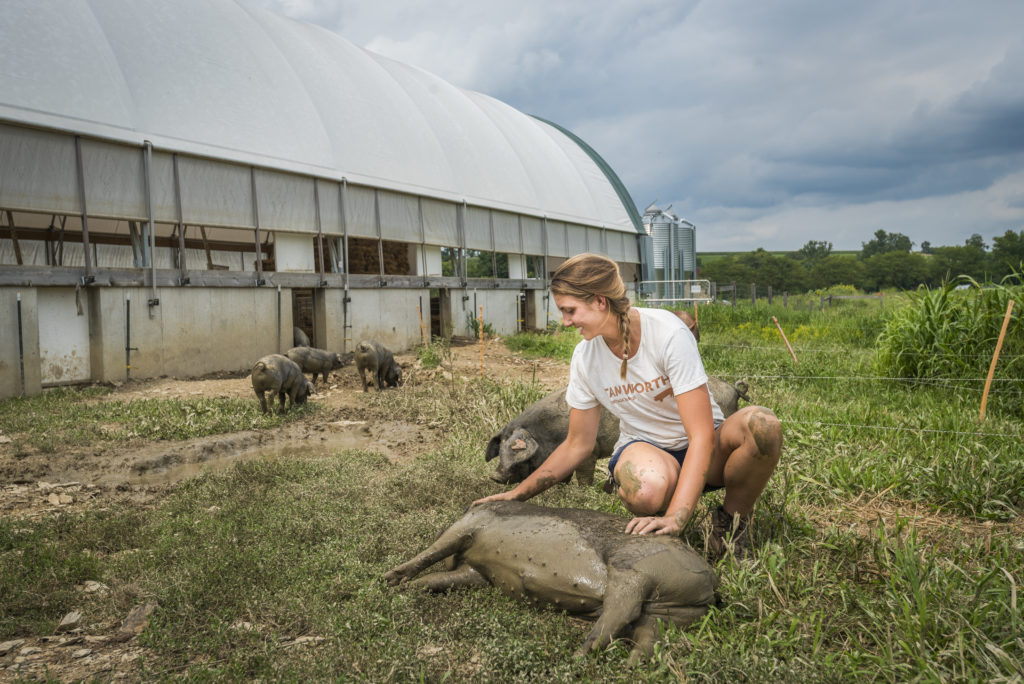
[(674, 442)]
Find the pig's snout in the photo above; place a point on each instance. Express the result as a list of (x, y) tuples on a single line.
[(500, 477)]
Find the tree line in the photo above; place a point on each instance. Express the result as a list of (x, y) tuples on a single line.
[(887, 261)]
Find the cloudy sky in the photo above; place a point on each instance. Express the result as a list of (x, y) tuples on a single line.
[(767, 124)]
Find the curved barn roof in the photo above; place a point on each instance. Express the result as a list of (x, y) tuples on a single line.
[(226, 79)]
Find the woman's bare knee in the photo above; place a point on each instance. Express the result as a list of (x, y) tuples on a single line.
[(639, 504), (644, 490), (766, 431)]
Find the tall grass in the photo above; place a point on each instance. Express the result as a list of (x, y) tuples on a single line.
[(847, 322), (952, 333), (853, 430)]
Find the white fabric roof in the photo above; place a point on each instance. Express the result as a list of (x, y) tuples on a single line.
[(225, 79)]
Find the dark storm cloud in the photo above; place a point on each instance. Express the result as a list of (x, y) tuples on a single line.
[(760, 121)]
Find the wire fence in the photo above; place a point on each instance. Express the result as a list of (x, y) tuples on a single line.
[(847, 350), (973, 385)]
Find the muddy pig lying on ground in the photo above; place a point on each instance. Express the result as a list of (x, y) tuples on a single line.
[(280, 375), (317, 361), (577, 560), (529, 438), (378, 359), (299, 337)]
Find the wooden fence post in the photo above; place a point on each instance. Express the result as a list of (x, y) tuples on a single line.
[(995, 359), (788, 346)]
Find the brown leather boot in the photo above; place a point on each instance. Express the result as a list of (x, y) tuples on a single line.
[(728, 533)]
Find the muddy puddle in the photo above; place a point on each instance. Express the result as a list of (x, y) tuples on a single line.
[(166, 463), (219, 454)]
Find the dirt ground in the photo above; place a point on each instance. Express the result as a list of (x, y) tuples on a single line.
[(36, 483)]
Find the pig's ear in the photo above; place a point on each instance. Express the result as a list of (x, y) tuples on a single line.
[(520, 447), (493, 447)]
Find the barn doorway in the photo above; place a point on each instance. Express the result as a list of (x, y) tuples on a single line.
[(440, 313), (303, 316), (527, 311)]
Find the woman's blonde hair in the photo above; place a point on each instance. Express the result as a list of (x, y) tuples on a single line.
[(587, 276)]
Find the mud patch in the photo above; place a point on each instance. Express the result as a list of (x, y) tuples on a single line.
[(189, 459)]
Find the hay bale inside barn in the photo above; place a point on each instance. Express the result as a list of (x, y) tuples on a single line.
[(182, 183)]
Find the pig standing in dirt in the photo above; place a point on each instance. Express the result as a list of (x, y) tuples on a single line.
[(378, 359), (576, 560), (529, 438), (280, 375), (299, 337), (317, 361)]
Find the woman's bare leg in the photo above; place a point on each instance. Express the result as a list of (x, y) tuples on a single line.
[(749, 444)]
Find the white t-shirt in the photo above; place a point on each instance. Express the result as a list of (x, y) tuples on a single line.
[(666, 364)]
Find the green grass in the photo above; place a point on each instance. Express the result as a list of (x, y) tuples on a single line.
[(62, 417), (856, 429), (556, 345), (846, 586)]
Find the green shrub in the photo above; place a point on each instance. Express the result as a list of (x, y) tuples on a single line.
[(836, 290), (474, 324), (434, 355)]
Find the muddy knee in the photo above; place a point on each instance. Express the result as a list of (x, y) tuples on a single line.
[(638, 493), (766, 430)]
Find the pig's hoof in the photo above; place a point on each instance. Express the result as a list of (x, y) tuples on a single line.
[(393, 578)]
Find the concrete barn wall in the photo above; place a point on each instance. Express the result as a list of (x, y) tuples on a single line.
[(500, 310), (387, 316), (63, 317), (192, 332), (195, 330)]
